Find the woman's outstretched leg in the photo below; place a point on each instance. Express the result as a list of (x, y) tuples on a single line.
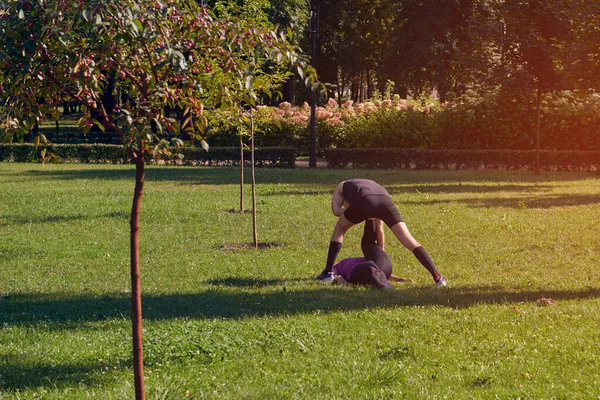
[(372, 251)]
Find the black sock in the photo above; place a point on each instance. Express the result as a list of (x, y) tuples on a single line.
[(334, 250), (427, 262)]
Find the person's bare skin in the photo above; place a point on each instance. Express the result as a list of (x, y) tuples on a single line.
[(395, 278)]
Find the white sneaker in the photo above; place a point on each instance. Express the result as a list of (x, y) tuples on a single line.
[(440, 282), (325, 277)]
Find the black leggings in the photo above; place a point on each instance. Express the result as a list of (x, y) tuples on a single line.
[(374, 254)]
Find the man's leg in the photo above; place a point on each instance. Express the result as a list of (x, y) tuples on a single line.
[(335, 245), (403, 234)]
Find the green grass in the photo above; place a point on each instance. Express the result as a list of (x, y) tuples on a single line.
[(256, 325)]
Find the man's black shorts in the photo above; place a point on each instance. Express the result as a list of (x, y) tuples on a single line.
[(373, 206)]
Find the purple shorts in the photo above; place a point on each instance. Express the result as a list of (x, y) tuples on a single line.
[(345, 266)]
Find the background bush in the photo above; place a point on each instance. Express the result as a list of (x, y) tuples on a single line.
[(481, 118), (495, 119)]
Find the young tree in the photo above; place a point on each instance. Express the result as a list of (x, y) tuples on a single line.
[(172, 53), (248, 83)]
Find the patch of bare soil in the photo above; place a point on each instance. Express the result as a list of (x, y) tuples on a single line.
[(233, 211), (250, 246), (545, 302)]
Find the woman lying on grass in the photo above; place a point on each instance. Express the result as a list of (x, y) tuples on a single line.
[(357, 200), (374, 268)]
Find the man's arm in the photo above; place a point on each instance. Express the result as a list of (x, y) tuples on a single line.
[(337, 201)]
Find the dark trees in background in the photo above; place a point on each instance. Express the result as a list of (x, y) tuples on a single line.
[(448, 45)]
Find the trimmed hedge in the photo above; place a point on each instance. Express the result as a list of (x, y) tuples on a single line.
[(85, 153), (263, 156), (445, 159), (115, 154)]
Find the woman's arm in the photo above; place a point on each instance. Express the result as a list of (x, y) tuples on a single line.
[(394, 278), (337, 278)]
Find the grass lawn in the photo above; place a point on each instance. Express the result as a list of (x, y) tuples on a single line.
[(251, 324)]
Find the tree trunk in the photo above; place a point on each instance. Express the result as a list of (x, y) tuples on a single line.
[(370, 86), (241, 175), (537, 129), (136, 296), (254, 229), (289, 90), (312, 138), (403, 92), (341, 88), (361, 96), (66, 108), (442, 97), (109, 98)]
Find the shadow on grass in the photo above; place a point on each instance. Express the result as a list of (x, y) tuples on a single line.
[(454, 188), (282, 298), (469, 188), (549, 201), (524, 196), (50, 219), (257, 283), (188, 175), (456, 181), (316, 192), (530, 191), (19, 373)]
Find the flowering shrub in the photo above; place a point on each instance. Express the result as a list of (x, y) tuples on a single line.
[(496, 119), (478, 119), (570, 122), (392, 122)]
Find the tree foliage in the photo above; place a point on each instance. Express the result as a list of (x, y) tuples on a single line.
[(449, 45), (166, 55), (163, 55)]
